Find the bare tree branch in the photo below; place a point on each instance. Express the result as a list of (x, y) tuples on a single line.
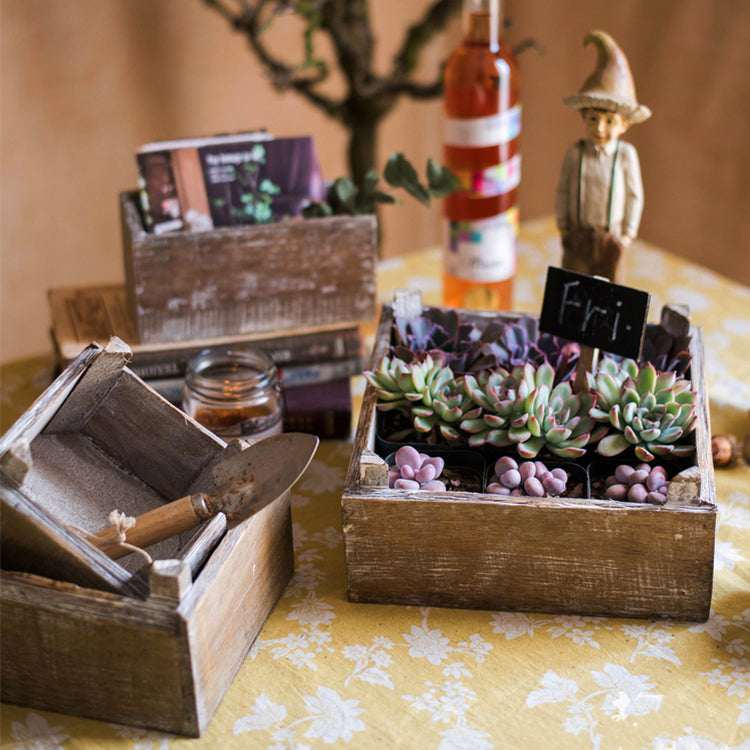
[(414, 90), (528, 43), (348, 26), (249, 21), (419, 34), (369, 97)]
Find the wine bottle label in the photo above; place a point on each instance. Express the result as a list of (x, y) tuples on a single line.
[(497, 180), (483, 250), (483, 131)]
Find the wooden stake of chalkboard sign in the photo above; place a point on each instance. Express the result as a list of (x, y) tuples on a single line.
[(596, 313)]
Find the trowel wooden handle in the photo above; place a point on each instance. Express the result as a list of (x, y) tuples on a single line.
[(156, 525)]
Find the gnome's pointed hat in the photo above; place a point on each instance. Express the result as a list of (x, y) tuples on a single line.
[(610, 86)]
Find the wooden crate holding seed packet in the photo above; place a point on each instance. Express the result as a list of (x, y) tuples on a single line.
[(235, 280)]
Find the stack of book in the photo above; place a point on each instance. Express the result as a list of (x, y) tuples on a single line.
[(315, 365)]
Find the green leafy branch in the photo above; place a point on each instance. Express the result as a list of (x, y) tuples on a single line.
[(344, 197)]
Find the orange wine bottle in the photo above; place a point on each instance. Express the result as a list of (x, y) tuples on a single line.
[(482, 127)]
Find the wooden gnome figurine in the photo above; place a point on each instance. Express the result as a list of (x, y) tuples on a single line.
[(600, 193)]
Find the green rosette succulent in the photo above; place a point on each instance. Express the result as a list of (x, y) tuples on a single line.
[(443, 413), (522, 408), (649, 410), (493, 394), (426, 391)]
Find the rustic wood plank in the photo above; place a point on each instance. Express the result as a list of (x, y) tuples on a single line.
[(39, 414), (166, 455), (76, 651), (638, 561), (88, 316), (82, 315), (364, 437), (202, 544), (32, 539), (297, 344), (703, 455), (16, 461), (169, 581), (233, 596), (84, 400), (373, 470)]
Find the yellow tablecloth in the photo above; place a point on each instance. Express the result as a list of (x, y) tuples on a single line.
[(327, 673)]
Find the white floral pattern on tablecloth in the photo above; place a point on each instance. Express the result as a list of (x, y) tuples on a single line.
[(325, 672)]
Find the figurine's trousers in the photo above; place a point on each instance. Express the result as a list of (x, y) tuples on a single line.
[(593, 251)]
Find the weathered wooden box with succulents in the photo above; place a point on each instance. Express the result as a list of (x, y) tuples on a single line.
[(591, 544)]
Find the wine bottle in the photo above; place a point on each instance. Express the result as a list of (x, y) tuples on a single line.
[(482, 126)]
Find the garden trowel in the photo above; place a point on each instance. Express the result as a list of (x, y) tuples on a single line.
[(245, 483)]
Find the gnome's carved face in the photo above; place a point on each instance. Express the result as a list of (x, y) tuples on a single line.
[(603, 127)]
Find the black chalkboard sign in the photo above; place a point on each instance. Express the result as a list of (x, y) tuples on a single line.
[(594, 312)]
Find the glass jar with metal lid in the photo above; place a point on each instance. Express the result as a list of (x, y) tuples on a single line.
[(234, 393)]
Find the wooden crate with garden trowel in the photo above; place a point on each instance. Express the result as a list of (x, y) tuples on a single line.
[(157, 642)]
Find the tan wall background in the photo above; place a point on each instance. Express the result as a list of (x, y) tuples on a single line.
[(85, 82)]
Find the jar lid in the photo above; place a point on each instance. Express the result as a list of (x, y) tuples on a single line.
[(230, 374)]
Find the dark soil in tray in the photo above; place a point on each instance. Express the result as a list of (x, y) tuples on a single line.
[(461, 479)]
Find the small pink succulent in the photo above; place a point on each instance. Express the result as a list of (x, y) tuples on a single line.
[(416, 471), (642, 484), (529, 478)]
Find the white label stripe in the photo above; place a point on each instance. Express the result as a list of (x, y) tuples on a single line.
[(492, 130)]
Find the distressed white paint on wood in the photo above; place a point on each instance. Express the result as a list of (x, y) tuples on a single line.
[(237, 280)]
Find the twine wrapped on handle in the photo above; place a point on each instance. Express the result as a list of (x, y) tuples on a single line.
[(121, 523)]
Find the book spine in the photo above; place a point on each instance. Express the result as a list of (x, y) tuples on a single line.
[(158, 370), (319, 372), (289, 351), (322, 409), (327, 424)]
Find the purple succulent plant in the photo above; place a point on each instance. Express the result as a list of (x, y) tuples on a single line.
[(438, 333), (509, 344), (529, 478), (464, 347), (642, 484), (665, 351), (416, 471)]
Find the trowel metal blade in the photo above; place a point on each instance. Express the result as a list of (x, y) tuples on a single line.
[(248, 481)]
